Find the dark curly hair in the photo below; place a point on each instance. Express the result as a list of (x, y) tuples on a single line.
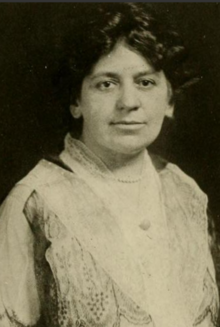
[(95, 28)]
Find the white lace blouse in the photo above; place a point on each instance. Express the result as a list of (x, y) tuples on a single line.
[(81, 248)]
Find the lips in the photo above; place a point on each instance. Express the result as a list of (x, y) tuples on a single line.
[(125, 122), (129, 126)]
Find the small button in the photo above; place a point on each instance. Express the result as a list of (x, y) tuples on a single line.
[(145, 225)]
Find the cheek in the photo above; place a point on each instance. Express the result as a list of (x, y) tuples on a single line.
[(90, 111), (94, 120), (157, 115), (98, 109), (157, 108)]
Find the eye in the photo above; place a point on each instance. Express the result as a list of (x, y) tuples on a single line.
[(105, 85), (146, 83)]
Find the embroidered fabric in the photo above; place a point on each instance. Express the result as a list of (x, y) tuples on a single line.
[(69, 285), (187, 203), (193, 222), (209, 305), (84, 292)]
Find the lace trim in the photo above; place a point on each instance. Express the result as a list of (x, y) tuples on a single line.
[(186, 210), (85, 295), (210, 294), (78, 151), (202, 317), (129, 310), (192, 200)]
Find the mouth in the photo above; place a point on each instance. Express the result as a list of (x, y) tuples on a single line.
[(125, 122), (129, 125)]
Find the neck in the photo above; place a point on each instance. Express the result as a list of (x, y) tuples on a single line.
[(123, 166)]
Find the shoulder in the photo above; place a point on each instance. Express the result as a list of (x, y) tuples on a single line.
[(183, 198), (174, 177), (44, 175)]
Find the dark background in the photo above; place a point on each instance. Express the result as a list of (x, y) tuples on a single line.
[(32, 111)]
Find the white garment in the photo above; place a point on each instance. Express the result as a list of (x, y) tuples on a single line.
[(151, 248), (88, 214)]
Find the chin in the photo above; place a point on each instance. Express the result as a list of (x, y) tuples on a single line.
[(134, 143), (130, 148)]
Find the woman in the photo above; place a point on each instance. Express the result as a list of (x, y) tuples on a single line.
[(111, 236)]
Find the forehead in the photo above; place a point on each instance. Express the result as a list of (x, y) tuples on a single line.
[(122, 59)]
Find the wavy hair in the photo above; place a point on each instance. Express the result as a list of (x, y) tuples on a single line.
[(95, 28)]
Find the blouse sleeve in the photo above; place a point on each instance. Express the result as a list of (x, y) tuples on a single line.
[(207, 315), (19, 299)]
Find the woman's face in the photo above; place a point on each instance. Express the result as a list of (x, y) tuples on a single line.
[(123, 103)]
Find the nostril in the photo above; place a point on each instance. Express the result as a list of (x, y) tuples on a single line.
[(128, 103), (124, 106)]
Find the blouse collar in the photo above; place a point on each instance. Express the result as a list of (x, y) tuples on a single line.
[(81, 154)]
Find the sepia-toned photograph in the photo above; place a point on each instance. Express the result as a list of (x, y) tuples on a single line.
[(109, 164)]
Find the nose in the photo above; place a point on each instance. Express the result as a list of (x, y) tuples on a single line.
[(128, 98)]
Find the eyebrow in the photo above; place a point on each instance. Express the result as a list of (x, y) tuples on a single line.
[(146, 73), (116, 75)]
